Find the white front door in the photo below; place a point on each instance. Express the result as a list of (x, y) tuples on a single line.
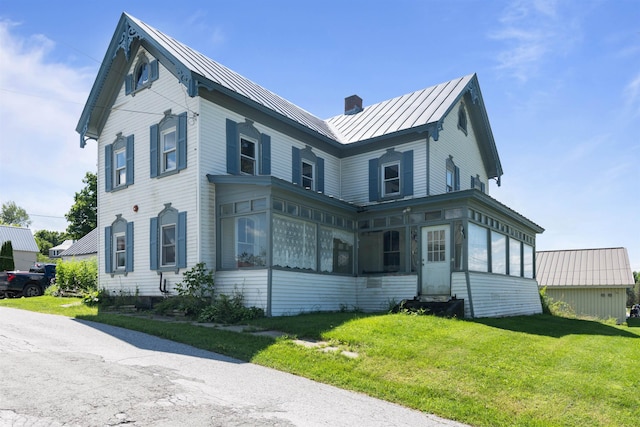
[(436, 264)]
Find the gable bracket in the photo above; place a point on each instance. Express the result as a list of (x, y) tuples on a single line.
[(128, 34), (473, 91), (434, 129)]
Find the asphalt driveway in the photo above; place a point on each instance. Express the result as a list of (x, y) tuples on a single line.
[(58, 371)]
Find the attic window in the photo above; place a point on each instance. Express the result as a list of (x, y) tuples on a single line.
[(142, 74), (462, 119)]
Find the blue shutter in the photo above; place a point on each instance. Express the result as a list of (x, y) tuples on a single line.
[(108, 255), (320, 174), (181, 244), (153, 70), (108, 171), (265, 153), (456, 179), (128, 84), (153, 150), (182, 141), (373, 180), (130, 160), (296, 165), (129, 247), (233, 157), (473, 182), (482, 187), (407, 173), (153, 244)]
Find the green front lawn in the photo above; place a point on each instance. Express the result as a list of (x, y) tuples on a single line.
[(522, 371)]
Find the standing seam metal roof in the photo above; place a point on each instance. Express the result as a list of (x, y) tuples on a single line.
[(405, 112), (584, 267), (21, 238)]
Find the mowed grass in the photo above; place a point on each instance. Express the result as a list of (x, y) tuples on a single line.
[(520, 371)]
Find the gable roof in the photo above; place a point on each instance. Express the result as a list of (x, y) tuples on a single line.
[(419, 111), (87, 245), (21, 238), (584, 268)]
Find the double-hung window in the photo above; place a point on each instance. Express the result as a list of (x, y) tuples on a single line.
[(169, 155), (168, 145), (168, 244), (391, 179), (453, 176), (248, 150), (307, 169), (118, 163), (168, 240), (307, 174), (248, 158), (391, 175), (118, 254)]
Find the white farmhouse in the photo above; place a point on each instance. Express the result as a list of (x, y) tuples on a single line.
[(380, 203)]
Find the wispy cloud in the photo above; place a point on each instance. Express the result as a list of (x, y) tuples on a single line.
[(632, 92), (532, 31), (40, 103)]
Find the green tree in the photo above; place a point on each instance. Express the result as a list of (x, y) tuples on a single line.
[(6, 257), (83, 214), (12, 214), (48, 239)]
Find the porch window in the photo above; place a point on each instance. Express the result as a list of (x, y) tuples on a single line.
[(382, 251), (294, 243), (336, 250), (478, 251), (244, 241), (527, 260), (498, 253), (515, 266)]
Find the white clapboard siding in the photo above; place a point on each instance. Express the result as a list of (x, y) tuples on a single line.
[(379, 293), (495, 295), (294, 292), (355, 188), (252, 284), (130, 116), (464, 149), (460, 291), (213, 135)]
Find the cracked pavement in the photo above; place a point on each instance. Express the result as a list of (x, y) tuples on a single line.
[(58, 371)]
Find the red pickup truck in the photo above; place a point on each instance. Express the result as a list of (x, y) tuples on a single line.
[(28, 284)]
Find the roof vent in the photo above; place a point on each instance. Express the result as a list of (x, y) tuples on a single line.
[(352, 105)]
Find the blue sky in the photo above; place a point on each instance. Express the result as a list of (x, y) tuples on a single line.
[(560, 81)]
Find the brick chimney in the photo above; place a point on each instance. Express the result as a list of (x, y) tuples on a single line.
[(352, 105)]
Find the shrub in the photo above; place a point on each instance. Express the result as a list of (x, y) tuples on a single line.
[(6, 257), (229, 309), (195, 292), (77, 276)]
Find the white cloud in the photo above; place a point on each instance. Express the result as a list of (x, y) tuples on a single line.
[(42, 163), (532, 31), (632, 93)]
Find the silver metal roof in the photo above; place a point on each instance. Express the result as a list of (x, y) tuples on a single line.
[(21, 238), (584, 267), (223, 76), (85, 246), (404, 112)]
